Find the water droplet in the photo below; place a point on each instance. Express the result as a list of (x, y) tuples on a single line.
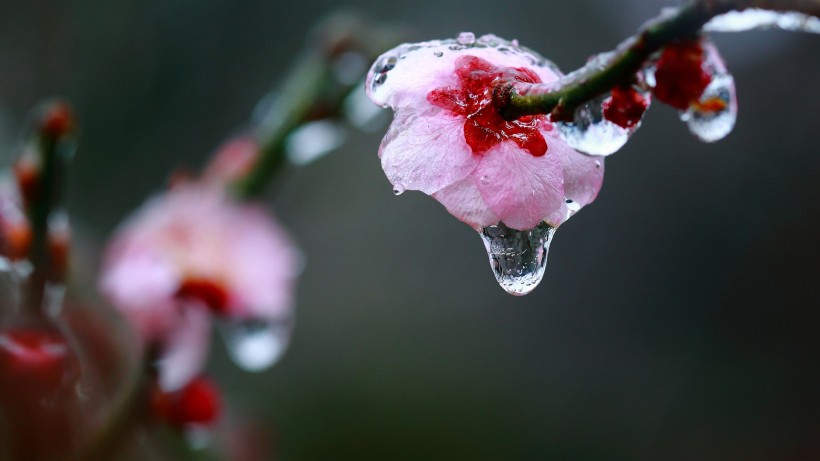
[(398, 189), (383, 66), (597, 164), (466, 38), (313, 140), (517, 258), (255, 345), (485, 180), (515, 42), (438, 54), (713, 118), (572, 207)]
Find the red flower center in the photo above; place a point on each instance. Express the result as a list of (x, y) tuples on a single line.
[(473, 99), (210, 292)]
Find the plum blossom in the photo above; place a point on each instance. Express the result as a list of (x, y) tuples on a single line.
[(447, 139), (187, 255)]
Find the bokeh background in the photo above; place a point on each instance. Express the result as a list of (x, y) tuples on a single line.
[(678, 319)]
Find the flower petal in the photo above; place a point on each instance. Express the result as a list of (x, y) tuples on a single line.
[(522, 190), (426, 151), (186, 350), (464, 201), (583, 174)]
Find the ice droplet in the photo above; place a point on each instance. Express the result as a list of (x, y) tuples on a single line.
[(517, 258), (713, 117), (572, 207), (255, 345), (466, 38), (383, 66), (438, 54), (590, 133), (313, 140), (398, 189)]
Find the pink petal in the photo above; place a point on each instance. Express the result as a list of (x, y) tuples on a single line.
[(185, 350), (583, 174), (425, 150), (464, 201), (520, 189)]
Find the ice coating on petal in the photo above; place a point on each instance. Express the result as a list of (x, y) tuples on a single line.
[(404, 75), (518, 258), (755, 18)]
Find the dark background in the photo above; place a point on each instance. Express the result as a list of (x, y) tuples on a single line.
[(678, 318)]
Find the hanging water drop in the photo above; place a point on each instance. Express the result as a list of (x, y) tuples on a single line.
[(518, 258), (466, 38), (713, 116), (438, 54), (255, 345), (572, 207), (398, 189)]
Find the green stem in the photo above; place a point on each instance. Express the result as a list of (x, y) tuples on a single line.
[(311, 91), (517, 100)]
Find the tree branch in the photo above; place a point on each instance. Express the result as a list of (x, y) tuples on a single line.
[(621, 65)]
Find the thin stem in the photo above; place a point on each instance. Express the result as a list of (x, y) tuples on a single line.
[(513, 101), (54, 125), (311, 91)]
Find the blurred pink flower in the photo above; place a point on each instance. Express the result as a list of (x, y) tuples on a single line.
[(190, 253), (447, 139)]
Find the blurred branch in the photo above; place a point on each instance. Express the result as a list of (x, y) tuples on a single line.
[(310, 90), (621, 65), (40, 173)]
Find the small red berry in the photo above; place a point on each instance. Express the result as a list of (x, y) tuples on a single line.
[(197, 403), (33, 363), (57, 119), (680, 78), (625, 106)]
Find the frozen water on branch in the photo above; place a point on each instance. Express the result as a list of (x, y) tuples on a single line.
[(754, 18)]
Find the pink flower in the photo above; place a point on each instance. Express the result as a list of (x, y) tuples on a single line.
[(447, 140), (191, 253)]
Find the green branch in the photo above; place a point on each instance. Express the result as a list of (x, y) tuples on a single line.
[(621, 66)]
